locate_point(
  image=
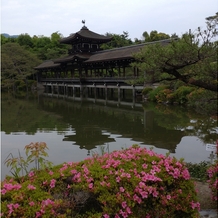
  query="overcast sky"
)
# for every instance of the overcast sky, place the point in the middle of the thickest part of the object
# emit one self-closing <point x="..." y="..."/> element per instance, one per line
<point x="44" y="17"/>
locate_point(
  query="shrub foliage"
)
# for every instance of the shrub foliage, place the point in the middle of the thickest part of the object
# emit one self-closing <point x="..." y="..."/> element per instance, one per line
<point x="213" y="179"/>
<point x="135" y="182"/>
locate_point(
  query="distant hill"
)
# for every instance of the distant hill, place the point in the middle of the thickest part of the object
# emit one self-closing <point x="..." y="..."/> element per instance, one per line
<point x="6" y="35"/>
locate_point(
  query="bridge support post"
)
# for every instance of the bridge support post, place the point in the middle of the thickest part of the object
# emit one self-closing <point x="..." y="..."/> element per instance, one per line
<point x="81" y="91"/>
<point x="133" y="95"/>
<point x="123" y="94"/>
<point x="66" y="89"/>
<point x="73" y="91"/>
<point x="95" y="91"/>
<point x="52" y="89"/>
<point x="105" y="92"/>
<point x="118" y="92"/>
<point x="58" y="89"/>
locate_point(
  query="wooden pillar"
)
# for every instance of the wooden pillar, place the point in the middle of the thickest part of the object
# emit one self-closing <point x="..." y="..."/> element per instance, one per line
<point x="74" y="94"/>
<point x="119" y="71"/>
<point x="134" y="70"/>
<point x="95" y="91"/>
<point x="137" y="72"/>
<point x="52" y="89"/>
<point x="123" y="93"/>
<point x="72" y="72"/>
<point x="118" y="93"/>
<point x="81" y="90"/>
<point x="112" y="92"/>
<point x="66" y="87"/>
<point x="80" y="72"/>
<point x="124" y="72"/>
<point x="133" y="94"/>
<point x="105" y="91"/>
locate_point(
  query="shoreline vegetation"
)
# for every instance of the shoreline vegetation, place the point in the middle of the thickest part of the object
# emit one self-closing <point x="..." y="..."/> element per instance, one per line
<point x="126" y="183"/>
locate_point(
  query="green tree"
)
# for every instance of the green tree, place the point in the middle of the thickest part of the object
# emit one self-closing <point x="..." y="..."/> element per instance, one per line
<point x="25" y="40"/>
<point x="17" y="65"/>
<point x="3" y="39"/>
<point x="117" y="40"/>
<point x="55" y="38"/>
<point x="191" y="59"/>
<point x="154" y="36"/>
<point x="49" y="47"/>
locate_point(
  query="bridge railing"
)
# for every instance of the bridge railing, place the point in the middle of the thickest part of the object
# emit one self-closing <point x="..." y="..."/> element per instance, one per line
<point x="88" y="78"/>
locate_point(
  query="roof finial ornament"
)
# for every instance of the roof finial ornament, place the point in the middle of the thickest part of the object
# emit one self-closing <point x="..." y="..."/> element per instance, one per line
<point x="84" y="27"/>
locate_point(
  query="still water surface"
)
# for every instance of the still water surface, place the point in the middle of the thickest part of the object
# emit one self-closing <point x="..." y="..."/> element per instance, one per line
<point x="75" y="128"/>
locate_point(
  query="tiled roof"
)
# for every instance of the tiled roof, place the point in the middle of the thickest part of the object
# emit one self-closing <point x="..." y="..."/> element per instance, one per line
<point x="87" y="34"/>
<point x="47" y="64"/>
<point x="101" y="56"/>
<point x="72" y="57"/>
<point x="121" y="53"/>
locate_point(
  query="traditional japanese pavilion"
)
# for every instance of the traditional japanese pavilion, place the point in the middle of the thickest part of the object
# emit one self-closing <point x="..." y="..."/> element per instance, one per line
<point x="86" y="58"/>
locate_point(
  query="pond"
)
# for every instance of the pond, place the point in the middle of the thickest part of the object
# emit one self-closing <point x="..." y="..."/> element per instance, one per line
<point x="75" y="129"/>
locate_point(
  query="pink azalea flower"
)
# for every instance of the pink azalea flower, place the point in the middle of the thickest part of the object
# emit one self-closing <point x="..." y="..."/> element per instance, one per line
<point x="168" y="197"/>
<point x="3" y="191"/>
<point x="195" y="205"/>
<point x="31" y="187"/>
<point x="124" y="205"/>
<point x="16" y="205"/>
<point x="128" y="210"/>
<point x="73" y="171"/>
<point x="122" y="189"/>
<point x="118" y="179"/>
<point x="185" y="174"/>
<point x="155" y="193"/>
<point x="52" y="183"/>
<point x="31" y="174"/>
<point x="31" y="203"/>
<point x="144" y="194"/>
<point x="42" y="211"/>
<point x="90" y="185"/>
<point x="144" y="166"/>
<point x="17" y="186"/>
<point x="38" y="214"/>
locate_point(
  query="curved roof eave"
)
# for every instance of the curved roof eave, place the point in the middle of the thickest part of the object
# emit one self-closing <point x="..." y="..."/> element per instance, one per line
<point x="125" y="52"/>
<point x="72" y="57"/>
<point x="87" y="34"/>
<point x="46" y="65"/>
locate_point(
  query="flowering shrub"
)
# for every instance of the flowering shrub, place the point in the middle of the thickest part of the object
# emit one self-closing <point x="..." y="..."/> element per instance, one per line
<point x="165" y="95"/>
<point x="135" y="182"/>
<point x="182" y="92"/>
<point x="152" y="95"/>
<point x="213" y="180"/>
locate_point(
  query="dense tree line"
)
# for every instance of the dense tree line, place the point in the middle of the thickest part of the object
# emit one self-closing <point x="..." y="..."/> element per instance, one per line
<point x="43" y="47"/>
<point x="20" y="55"/>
